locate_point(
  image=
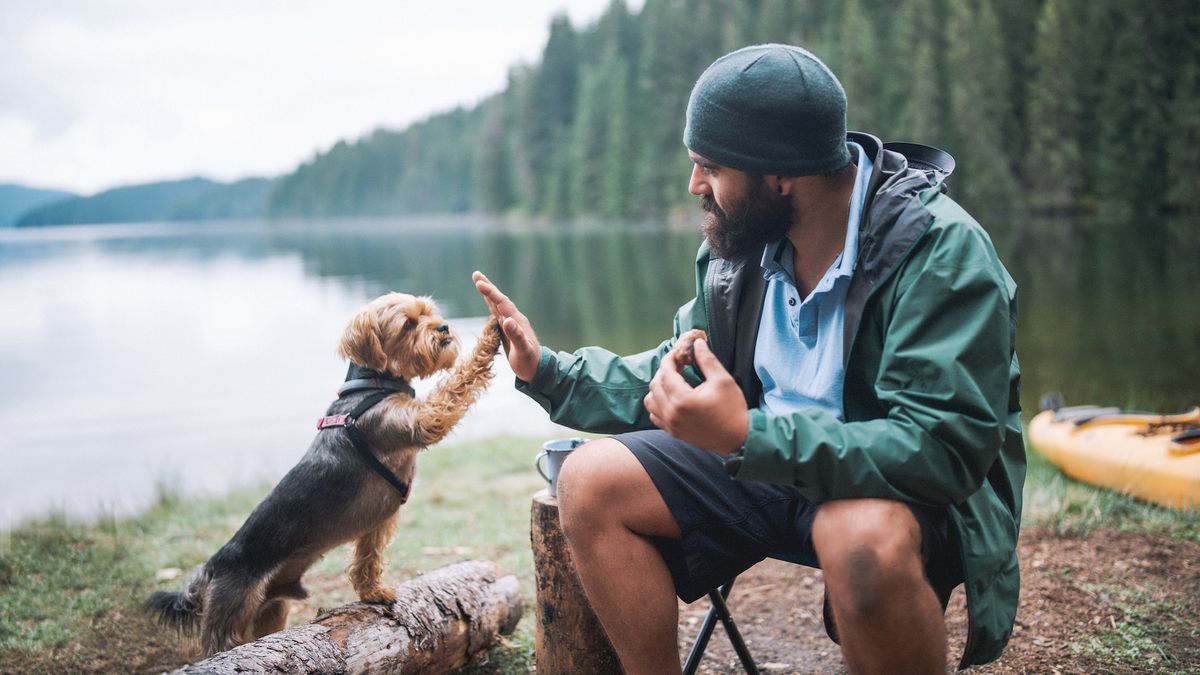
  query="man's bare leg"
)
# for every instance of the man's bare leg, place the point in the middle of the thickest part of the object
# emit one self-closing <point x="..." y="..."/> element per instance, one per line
<point x="888" y="617"/>
<point x="609" y="507"/>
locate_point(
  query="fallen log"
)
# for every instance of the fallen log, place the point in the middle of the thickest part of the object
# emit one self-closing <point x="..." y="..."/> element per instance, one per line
<point x="440" y="622"/>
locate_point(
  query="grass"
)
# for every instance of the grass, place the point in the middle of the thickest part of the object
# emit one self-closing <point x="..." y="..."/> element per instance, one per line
<point x="70" y="592"/>
<point x="1146" y="635"/>
<point x="1071" y="507"/>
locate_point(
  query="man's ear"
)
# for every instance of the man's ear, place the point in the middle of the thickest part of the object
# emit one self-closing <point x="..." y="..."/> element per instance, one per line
<point x="780" y="185"/>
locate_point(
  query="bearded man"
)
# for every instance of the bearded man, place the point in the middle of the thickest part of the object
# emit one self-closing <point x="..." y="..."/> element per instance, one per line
<point x="856" y="404"/>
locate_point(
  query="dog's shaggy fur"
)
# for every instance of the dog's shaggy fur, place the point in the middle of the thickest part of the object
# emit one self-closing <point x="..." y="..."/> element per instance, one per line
<point x="331" y="496"/>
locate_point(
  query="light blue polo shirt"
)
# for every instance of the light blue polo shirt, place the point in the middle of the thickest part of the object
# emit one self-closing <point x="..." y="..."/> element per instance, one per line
<point x="798" y="355"/>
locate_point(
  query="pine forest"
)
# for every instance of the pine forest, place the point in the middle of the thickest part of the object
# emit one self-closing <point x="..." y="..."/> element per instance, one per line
<point x="1049" y="106"/>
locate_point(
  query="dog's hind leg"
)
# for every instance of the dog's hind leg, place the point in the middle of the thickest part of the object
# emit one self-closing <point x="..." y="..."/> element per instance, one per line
<point x="271" y="617"/>
<point x="232" y="602"/>
<point x="285" y="586"/>
<point x="366" y="570"/>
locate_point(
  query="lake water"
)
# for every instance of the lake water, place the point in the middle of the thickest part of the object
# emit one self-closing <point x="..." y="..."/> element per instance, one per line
<point x="199" y="356"/>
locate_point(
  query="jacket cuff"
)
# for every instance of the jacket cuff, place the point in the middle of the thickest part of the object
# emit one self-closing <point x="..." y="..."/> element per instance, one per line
<point x="543" y="377"/>
<point x="761" y="460"/>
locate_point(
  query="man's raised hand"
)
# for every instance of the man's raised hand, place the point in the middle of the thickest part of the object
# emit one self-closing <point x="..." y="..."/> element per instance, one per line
<point x="520" y="343"/>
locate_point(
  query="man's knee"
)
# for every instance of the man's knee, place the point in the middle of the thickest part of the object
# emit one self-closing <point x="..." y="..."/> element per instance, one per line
<point x="602" y="484"/>
<point x="588" y="480"/>
<point x="870" y="549"/>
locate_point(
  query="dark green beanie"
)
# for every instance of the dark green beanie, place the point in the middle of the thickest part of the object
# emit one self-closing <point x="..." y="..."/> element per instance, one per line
<point x="773" y="109"/>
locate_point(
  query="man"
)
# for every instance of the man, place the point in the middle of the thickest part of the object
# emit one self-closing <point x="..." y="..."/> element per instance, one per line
<point x="857" y="402"/>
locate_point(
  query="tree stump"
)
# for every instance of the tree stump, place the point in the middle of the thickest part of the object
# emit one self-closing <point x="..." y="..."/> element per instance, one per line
<point x="569" y="636"/>
<point x="440" y="622"/>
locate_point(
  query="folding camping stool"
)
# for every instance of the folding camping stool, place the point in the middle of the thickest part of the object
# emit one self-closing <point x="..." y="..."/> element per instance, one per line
<point x="719" y="611"/>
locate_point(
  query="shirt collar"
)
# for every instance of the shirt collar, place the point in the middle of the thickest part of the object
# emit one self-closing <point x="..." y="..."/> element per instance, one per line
<point x="777" y="256"/>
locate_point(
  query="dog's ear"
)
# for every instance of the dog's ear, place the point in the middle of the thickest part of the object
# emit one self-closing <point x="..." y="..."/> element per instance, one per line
<point x="360" y="342"/>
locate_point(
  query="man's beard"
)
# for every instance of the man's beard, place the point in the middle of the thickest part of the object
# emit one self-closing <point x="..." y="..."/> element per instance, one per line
<point x="750" y="224"/>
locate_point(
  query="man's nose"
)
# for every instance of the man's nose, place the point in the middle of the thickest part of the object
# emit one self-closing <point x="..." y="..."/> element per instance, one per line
<point x="697" y="184"/>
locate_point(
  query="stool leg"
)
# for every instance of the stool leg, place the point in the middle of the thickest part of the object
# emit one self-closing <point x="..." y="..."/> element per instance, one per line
<point x="719" y="610"/>
<point x="706" y="629"/>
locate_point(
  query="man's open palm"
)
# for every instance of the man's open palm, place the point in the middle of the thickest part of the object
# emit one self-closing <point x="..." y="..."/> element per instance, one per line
<point x="520" y="343"/>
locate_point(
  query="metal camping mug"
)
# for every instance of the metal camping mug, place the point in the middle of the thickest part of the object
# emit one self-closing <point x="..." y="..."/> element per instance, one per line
<point x="555" y="452"/>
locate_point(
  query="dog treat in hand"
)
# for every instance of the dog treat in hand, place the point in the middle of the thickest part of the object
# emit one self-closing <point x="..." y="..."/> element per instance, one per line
<point x="684" y="352"/>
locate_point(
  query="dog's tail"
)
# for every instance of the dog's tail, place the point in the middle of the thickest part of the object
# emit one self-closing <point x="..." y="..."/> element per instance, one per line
<point x="180" y="610"/>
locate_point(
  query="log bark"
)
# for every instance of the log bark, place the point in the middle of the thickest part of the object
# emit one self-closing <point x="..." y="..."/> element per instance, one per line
<point x="440" y="622"/>
<point x="569" y="637"/>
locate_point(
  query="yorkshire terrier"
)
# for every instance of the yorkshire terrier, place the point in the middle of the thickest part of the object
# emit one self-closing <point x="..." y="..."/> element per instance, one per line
<point x="350" y="484"/>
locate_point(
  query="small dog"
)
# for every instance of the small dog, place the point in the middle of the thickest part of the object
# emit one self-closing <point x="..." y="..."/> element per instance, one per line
<point x="336" y="493"/>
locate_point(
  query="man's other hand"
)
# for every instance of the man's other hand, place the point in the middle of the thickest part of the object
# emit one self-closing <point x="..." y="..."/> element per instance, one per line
<point x="712" y="415"/>
<point x="520" y="343"/>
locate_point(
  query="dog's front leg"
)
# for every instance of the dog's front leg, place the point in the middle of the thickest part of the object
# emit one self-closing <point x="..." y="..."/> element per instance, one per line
<point x="441" y="410"/>
<point x="366" y="570"/>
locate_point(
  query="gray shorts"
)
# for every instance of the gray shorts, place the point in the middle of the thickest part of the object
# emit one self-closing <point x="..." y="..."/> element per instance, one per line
<point x="729" y="525"/>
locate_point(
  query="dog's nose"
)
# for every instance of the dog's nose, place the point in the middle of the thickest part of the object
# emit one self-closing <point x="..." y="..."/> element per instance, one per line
<point x="444" y="328"/>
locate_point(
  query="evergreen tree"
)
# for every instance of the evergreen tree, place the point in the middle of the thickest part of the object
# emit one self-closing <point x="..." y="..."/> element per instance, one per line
<point x="1183" y="151"/>
<point x="980" y="107"/>
<point x="919" y="117"/>
<point x="778" y="22"/>
<point x="548" y="108"/>
<point x="616" y="186"/>
<point x="619" y="49"/>
<point x="1183" y="148"/>
<point x="857" y="69"/>
<point x="739" y="23"/>
<point x="1054" y="163"/>
<point x="586" y="146"/>
<point x="494" y="177"/>
<point x="1132" y="112"/>
<point x="665" y="73"/>
<point x="885" y="56"/>
<point x="1018" y="28"/>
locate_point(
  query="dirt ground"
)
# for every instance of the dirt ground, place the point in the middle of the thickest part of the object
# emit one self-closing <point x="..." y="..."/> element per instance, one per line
<point x="1134" y="598"/>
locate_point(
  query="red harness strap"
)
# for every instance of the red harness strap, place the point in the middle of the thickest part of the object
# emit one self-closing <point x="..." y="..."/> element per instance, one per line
<point x="332" y="421"/>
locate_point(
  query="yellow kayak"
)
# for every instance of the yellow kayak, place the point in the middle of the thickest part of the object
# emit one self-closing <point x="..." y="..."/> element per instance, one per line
<point x="1151" y="457"/>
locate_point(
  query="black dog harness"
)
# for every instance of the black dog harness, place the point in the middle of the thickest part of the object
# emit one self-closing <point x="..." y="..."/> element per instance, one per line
<point x="358" y="379"/>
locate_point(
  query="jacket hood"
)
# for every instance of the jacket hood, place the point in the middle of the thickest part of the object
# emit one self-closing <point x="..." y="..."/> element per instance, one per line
<point x="894" y="215"/>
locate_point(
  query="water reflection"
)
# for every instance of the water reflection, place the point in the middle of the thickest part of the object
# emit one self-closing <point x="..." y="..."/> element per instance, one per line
<point x="1110" y="313"/>
<point x="589" y="284"/>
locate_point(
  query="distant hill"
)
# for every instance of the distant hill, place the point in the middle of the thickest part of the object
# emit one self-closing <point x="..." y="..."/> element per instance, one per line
<point x="188" y="199"/>
<point x="243" y="199"/>
<point x="426" y="168"/>
<point x="17" y="199"/>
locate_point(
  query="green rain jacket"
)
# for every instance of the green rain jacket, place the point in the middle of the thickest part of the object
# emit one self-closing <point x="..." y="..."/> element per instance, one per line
<point x="932" y="412"/>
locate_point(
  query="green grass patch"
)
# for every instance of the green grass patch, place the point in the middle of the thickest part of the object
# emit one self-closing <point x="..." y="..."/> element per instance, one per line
<point x="1151" y="632"/>
<point x="1072" y="507"/>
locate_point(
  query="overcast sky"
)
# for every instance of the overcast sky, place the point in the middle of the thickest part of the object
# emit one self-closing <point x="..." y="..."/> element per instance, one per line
<point x="98" y="93"/>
